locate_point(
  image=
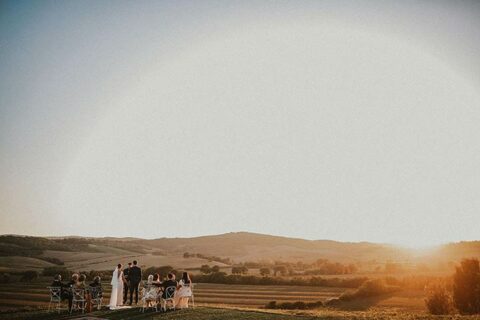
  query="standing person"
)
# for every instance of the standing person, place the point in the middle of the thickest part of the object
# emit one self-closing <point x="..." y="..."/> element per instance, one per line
<point x="126" y="284"/>
<point x="135" y="276"/>
<point x="117" y="288"/>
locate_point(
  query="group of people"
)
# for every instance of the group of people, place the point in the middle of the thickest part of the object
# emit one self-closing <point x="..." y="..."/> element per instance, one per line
<point x="77" y="282"/>
<point x="128" y="280"/>
<point x="179" y="292"/>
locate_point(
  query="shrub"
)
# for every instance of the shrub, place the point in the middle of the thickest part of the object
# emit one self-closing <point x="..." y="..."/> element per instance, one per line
<point x="466" y="287"/>
<point x="4" y="278"/>
<point x="298" y="305"/>
<point x="29" y="275"/>
<point x="438" y="301"/>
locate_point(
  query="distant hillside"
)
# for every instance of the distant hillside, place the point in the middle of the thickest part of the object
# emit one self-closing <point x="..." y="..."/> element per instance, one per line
<point x="103" y="253"/>
<point x="244" y="246"/>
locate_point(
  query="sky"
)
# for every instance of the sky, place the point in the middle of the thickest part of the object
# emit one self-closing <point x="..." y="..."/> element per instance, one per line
<point x="343" y="120"/>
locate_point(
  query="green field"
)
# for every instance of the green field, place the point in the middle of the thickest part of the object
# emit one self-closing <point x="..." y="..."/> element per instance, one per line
<point x="220" y="301"/>
<point x="17" y="295"/>
<point x="216" y="313"/>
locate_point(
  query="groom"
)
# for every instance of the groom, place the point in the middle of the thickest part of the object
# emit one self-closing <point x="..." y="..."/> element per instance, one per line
<point x="134" y="277"/>
<point x="126" y="282"/>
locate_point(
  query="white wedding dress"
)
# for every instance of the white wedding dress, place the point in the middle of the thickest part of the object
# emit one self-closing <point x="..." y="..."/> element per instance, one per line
<point x="116" y="297"/>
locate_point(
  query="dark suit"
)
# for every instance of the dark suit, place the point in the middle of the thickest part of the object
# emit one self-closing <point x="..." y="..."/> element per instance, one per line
<point x="134" y="276"/>
<point x="166" y="284"/>
<point x="126" y="285"/>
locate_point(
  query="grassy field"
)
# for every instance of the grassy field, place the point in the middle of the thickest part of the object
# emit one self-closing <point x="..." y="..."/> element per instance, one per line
<point x="219" y="301"/>
<point x="35" y="294"/>
<point x="216" y="313"/>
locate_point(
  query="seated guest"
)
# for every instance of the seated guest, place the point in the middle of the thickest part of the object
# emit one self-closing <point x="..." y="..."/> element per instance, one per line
<point x="73" y="280"/>
<point x="96" y="282"/>
<point x="184" y="291"/>
<point x="57" y="282"/>
<point x="149" y="292"/>
<point x="170" y="282"/>
<point x="80" y="284"/>
<point x="65" y="292"/>
<point x="95" y="292"/>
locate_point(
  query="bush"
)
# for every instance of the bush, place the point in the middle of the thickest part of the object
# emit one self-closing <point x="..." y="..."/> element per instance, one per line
<point x="438" y="301"/>
<point x="5" y="278"/>
<point x="298" y="305"/>
<point x="29" y="275"/>
<point x="466" y="287"/>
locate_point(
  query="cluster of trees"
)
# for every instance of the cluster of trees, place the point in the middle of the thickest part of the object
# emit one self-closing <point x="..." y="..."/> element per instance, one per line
<point x="222" y="277"/>
<point x="464" y="294"/>
<point x="324" y="267"/>
<point x="319" y="267"/>
<point x="209" y="258"/>
<point x="206" y="269"/>
<point x="35" y="246"/>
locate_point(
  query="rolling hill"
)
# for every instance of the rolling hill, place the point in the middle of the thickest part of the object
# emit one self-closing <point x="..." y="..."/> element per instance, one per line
<point x="23" y="252"/>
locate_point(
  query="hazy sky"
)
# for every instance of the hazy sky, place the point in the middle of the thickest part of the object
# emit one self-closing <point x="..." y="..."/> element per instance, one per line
<point x="342" y="120"/>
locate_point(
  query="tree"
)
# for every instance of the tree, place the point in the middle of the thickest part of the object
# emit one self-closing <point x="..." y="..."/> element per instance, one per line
<point x="264" y="271"/>
<point x="205" y="269"/>
<point x="236" y="270"/>
<point x="466" y="287"/>
<point x="215" y="269"/>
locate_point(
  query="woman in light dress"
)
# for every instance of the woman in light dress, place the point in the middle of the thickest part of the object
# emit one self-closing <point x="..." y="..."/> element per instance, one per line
<point x="116" y="297"/>
<point x="184" y="291"/>
<point x="150" y="292"/>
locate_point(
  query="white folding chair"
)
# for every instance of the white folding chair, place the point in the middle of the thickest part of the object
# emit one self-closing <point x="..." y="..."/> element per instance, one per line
<point x="189" y="285"/>
<point x="55" y="298"/>
<point x="169" y="297"/>
<point x="149" y="297"/>
<point x="96" y="297"/>
<point x="78" y="299"/>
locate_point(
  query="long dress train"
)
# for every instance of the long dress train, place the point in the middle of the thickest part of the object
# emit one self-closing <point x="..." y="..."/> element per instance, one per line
<point x="116" y="297"/>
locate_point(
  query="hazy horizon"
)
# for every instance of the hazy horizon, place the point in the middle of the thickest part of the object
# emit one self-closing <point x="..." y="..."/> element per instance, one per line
<point x="309" y="119"/>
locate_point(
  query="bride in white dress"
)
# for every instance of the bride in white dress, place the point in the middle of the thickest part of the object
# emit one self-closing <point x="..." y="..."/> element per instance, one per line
<point x="116" y="297"/>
